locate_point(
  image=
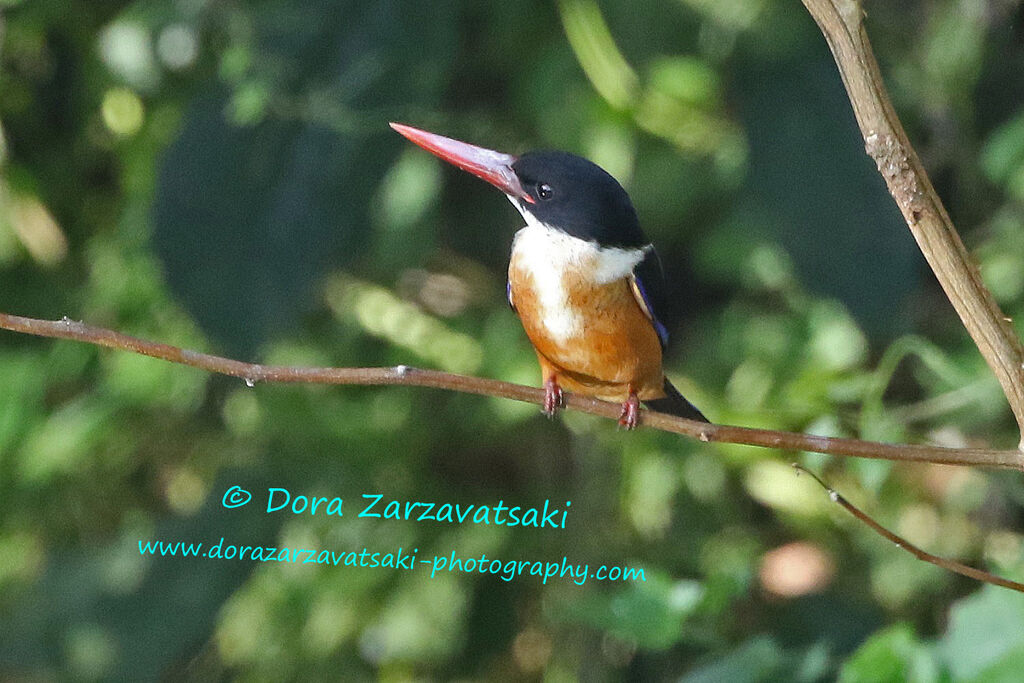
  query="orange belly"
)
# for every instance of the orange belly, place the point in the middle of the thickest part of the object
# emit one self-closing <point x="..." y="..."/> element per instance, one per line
<point x="593" y="338"/>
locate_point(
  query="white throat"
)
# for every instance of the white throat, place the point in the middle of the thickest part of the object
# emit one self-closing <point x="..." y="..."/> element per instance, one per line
<point x="546" y="245"/>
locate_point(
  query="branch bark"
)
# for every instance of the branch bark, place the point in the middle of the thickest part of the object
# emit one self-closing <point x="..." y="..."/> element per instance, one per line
<point x="404" y="375"/>
<point x="841" y="21"/>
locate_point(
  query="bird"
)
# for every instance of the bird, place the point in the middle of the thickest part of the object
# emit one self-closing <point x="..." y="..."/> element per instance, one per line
<point x="585" y="282"/>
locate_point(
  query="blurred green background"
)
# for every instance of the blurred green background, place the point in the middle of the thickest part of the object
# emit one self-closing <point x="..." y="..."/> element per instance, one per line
<point x="221" y="176"/>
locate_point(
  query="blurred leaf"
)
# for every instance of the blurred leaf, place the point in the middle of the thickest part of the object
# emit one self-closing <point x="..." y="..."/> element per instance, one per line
<point x="648" y="613"/>
<point x="686" y="79"/>
<point x="986" y="630"/>
<point x="1004" y="150"/>
<point x="64" y="441"/>
<point x="888" y="655"/>
<point x="759" y="659"/>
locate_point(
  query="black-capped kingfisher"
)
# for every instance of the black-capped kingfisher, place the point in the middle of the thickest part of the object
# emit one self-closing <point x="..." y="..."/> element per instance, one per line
<point x="585" y="282"/>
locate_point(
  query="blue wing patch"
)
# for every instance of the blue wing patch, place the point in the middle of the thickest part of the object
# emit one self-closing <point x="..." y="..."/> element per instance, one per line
<point x="648" y="289"/>
<point x="508" y="294"/>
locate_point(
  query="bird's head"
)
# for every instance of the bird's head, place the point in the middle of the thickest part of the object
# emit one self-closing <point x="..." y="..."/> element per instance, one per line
<point x="557" y="189"/>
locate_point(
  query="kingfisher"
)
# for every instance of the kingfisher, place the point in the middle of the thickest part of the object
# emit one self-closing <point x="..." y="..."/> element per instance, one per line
<point x="586" y="284"/>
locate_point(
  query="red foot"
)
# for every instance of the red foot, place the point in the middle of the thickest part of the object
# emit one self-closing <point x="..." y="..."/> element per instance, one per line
<point x="553" y="399"/>
<point x="630" y="415"/>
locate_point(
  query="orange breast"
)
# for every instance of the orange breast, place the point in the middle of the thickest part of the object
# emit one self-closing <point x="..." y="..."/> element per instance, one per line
<point x="592" y="336"/>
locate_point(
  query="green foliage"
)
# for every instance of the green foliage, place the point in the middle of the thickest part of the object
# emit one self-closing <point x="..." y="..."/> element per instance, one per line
<point x="985" y="636"/>
<point x="221" y="177"/>
<point x="982" y="643"/>
<point x="888" y="655"/>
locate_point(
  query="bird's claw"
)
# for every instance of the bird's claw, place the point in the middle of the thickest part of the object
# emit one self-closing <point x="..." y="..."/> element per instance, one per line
<point x="629" y="418"/>
<point x="553" y="397"/>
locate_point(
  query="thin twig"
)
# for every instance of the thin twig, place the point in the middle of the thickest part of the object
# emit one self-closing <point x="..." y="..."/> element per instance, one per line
<point x="949" y="565"/>
<point x="841" y="21"/>
<point x="408" y="376"/>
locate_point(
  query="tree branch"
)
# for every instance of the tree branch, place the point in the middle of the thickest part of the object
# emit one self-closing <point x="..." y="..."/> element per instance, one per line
<point x="886" y="142"/>
<point x="944" y="563"/>
<point x="408" y="376"/>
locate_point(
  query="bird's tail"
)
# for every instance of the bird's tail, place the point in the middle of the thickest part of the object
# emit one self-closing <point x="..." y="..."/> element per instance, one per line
<point x="675" y="404"/>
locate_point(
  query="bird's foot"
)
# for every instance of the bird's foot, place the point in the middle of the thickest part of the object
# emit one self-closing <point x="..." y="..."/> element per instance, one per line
<point x="553" y="398"/>
<point x="629" y="418"/>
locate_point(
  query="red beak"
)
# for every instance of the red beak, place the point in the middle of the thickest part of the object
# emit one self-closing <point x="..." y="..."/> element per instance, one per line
<point x="494" y="167"/>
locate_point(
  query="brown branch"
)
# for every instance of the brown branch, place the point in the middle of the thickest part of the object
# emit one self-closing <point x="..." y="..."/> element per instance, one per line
<point x="886" y="142"/>
<point x="949" y="565"/>
<point x="407" y="376"/>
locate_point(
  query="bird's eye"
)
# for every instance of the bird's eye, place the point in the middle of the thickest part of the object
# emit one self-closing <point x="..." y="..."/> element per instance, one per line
<point x="544" y="191"/>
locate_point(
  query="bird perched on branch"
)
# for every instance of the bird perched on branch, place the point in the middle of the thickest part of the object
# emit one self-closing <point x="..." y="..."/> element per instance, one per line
<point x="585" y="282"/>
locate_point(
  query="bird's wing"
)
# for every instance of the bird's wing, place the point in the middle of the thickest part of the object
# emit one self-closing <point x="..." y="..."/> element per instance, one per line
<point x="508" y="294"/>
<point x="648" y="284"/>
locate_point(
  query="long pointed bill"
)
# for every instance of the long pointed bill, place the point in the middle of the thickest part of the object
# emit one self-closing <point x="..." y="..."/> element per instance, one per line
<point x="494" y="167"/>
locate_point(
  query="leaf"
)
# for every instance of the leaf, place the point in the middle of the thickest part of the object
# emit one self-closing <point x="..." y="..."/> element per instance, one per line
<point x="649" y="613"/>
<point x="985" y="630"/>
<point x="756" y="660"/>
<point x="888" y="655"/>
